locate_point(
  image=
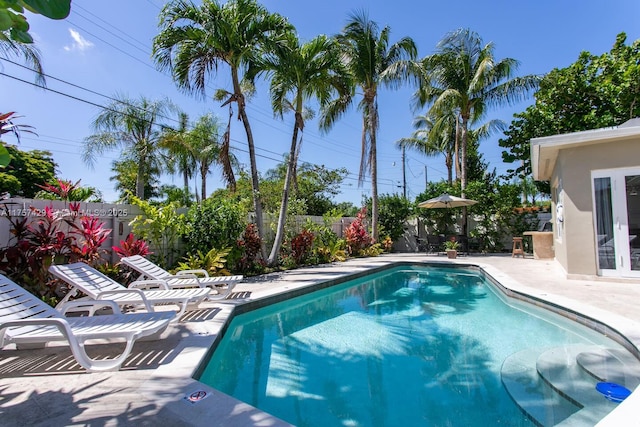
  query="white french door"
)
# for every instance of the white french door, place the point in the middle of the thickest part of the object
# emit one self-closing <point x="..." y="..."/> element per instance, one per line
<point x="616" y="211"/>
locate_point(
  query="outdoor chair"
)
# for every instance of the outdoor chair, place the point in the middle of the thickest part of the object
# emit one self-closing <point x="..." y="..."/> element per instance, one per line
<point x="95" y="285"/>
<point x="27" y="320"/>
<point x="220" y="285"/>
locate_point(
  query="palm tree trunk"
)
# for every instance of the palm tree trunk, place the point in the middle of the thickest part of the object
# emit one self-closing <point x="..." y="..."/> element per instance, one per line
<point x="374" y="188"/>
<point x="203" y="182"/>
<point x="140" y="180"/>
<point x="257" y="205"/>
<point x="463" y="167"/>
<point x="282" y="217"/>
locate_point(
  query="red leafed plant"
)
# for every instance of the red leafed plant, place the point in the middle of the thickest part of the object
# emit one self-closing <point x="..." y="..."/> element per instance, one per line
<point x="249" y="246"/>
<point x="301" y="246"/>
<point x="93" y="234"/>
<point x="132" y="246"/>
<point x="356" y="234"/>
<point x="54" y="237"/>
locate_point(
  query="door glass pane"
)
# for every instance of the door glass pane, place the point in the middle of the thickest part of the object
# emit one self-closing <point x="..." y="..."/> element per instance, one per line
<point x="632" y="185"/>
<point x="604" y="224"/>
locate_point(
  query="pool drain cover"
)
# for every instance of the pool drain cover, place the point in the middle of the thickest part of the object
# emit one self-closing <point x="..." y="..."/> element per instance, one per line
<point x="612" y="391"/>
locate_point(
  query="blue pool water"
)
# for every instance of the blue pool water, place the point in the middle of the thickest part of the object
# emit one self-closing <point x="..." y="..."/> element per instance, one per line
<point x="409" y="346"/>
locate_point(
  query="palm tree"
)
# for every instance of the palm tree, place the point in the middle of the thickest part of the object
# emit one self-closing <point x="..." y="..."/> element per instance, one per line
<point x="27" y="51"/>
<point x="180" y="154"/>
<point x="195" y="40"/>
<point x="299" y="73"/>
<point x="132" y="125"/>
<point x="372" y="62"/>
<point x="204" y="140"/>
<point x="464" y="76"/>
<point x="434" y="136"/>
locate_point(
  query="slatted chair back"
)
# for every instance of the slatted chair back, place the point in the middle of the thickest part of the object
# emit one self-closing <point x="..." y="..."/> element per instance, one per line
<point x="17" y="303"/>
<point x="93" y="281"/>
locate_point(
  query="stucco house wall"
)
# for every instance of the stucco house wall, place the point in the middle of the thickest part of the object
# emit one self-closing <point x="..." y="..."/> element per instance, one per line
<point x="567" y="162"/>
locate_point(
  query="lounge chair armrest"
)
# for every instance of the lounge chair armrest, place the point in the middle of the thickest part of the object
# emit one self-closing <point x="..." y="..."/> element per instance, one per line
<point x="149" y="284"/>
<point x="138" y="292"/>
<point x="195" y="272"/>
<point x="87" y="305"/>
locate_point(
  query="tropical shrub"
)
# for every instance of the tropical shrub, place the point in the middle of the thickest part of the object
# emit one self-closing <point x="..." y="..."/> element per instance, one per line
<point x="54" y="237"/>
<point x="214" y="262"/>
<point x="132" y="246"/>
<point x="357" y="237"/>
<point x="249" y="245"/>
<point x="215" y="223"/>
<point x="393" y="213"/>
<point x="66" y="190"/>
<point x="161" y="226"/>
<point x="301" y="246"/>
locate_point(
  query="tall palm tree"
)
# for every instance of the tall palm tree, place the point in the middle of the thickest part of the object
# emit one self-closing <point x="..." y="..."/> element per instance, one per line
<point x="300" y="72"/>
<point x="372" y="62"/>
<point x="195" y="40"/>
<point x="134" y="126"/>
<point x="180" y="153"/>
<point x="464" y="76"/>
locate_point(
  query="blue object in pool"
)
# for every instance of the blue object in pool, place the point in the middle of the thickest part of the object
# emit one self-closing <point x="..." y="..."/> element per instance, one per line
<point x="612" y="391"/>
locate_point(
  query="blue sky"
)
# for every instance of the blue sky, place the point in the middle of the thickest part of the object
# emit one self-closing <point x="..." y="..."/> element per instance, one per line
<point x="104" y="48"/>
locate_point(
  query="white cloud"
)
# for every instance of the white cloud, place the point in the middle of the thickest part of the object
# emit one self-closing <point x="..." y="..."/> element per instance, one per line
<point x="79" y="43"/>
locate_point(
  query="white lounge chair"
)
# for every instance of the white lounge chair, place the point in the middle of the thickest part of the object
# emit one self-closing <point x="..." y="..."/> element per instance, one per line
<point x="86" y="279"/>
<point x="25" y="319"/>
<point x="221" y="285"/>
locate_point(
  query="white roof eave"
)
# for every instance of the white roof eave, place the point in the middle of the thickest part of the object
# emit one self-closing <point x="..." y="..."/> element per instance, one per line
<point x="544" y="151"/>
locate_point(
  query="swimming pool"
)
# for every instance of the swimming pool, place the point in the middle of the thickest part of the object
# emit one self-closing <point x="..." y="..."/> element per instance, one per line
<point x="406" y="346"/>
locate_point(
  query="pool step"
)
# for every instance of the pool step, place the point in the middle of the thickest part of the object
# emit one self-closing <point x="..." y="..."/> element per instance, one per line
<point x="559" y="368"/>
<point x="539" y="401"/>
<point x="611" y="365"/>
<point x="557" y="386"/>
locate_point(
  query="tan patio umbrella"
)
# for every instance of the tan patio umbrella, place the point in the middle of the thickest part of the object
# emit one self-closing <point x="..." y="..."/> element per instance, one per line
<point x="446" y="201"/>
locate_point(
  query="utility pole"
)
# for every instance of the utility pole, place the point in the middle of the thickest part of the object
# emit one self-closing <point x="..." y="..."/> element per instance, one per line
<point x="404" y="174"/>
<point x="426" y="180"/>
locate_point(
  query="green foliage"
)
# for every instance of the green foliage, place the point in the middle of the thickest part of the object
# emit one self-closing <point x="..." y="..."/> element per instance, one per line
<point x="65" y="190"/>
<point x="161" y="226"/>
<point x="593" y="92"/>
<point x="215" y="223"/>
<point x="394" y="211"/>
<point x="125" y="175"/>
<point x="438" y="221"/>
<point x="214" y="262"/>
<point x="171" y="193"/>
<point x="13" y="22"/>
<point x="451" y="245"/>
<point x="27" y="170"/>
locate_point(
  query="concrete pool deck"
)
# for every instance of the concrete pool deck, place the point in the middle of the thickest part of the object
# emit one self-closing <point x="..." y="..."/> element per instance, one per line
<point x="46" y="387"/>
